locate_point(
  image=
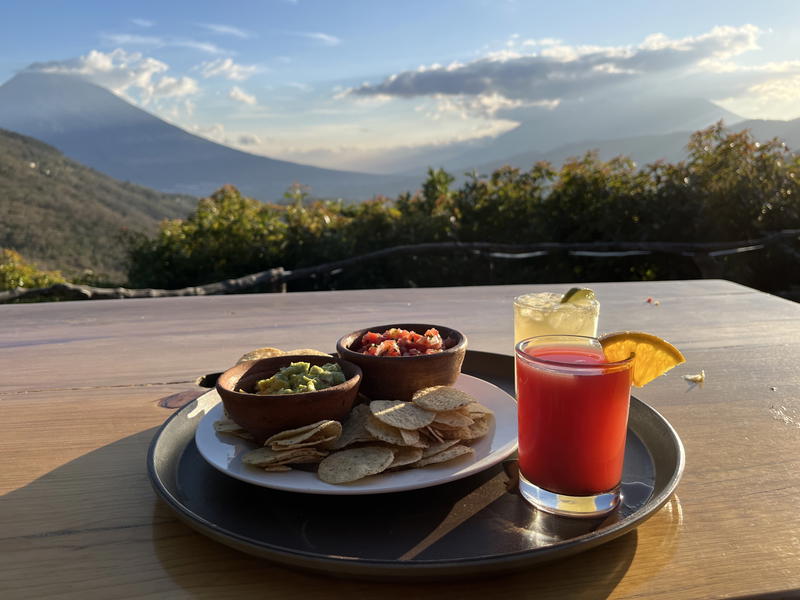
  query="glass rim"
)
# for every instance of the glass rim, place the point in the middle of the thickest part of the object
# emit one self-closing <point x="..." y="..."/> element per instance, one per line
<point x="566" y="365"/>
<point x="519" y="301"/>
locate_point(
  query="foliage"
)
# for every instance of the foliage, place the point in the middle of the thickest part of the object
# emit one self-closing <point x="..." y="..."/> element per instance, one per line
<point x="64" y="215"/>
<point x="16" y="272"/>
<point x="729" y="188"/>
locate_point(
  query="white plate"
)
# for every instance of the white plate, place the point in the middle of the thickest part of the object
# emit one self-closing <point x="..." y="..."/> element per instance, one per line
<point x="224" y="452"/>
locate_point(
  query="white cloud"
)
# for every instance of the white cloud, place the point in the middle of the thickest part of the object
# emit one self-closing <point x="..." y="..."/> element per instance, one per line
<point x="485" y="105"/>
<point x="127" y="39"/>
<point x="240" y="95"/>
<point x="226" y="30"/>
<point x="546" y="71"/>
<point x="142" y="22"/>
<point x="227" y="68"/>
<point x="303" y="87"/>
<point x="248" y="139"/>
<point x="130" y="74"/>
<point x="775" y="98"/>
<point x="324" y="38"/>
<point x="172" y="87"/>
<point x="218" y="133"/>
<point x="207" y="47"/>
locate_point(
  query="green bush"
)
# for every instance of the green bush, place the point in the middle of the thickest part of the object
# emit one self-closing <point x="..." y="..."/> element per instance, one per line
<point x="16" y="272"/>
<point x="729" y="188"/>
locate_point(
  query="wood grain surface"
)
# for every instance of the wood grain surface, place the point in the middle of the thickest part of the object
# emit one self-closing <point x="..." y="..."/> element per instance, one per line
<point x="85" y="385"/>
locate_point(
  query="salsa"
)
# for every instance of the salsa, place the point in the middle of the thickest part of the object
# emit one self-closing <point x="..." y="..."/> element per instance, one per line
<point x="401" y="342"/>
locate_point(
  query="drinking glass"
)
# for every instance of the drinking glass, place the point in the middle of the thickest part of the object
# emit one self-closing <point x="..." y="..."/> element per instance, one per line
<point x="543" y="314"/>
<point x="573" y="420"/>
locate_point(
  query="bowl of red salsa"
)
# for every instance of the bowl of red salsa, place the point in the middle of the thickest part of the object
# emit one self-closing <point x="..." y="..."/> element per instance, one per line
<point x="400" y="358"/>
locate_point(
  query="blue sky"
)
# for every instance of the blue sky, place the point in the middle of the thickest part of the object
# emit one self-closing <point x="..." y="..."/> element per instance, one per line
<point x="345" y="83"/>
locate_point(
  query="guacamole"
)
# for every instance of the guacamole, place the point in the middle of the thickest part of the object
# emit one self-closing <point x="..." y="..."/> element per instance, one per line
<point x="301" y="377"/>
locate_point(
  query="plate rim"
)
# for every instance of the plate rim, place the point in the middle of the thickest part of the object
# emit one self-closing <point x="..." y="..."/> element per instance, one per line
<point x="392" y="569"/>
<point x="506" y="449"/>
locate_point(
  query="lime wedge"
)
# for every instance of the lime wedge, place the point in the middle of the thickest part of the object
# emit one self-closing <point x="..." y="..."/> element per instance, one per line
<point x="578" y="296"/>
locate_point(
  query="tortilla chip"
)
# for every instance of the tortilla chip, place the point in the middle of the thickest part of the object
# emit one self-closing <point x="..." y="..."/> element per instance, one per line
<point x="353" y="464"/>
<point x="266" y="352"/>
<point x="479" y="428"/>
<point x="432" y="433"/>
<point x="452" y="418"/>
<point x="263" y="457"/>
<point x="404" y="415"/>
<point x="308" y="435"/>
<point x="476" y="408"/>
<point x="386" y="433"/>
<point x="228" y="426"/>
<point x="441" y="398"/>
<point x="445" y="455"/>
<point x="301" y="351"/>
<point x="410" y="437"/>
<point x="354" y="429"/>
<point x="439" y="447"/>
<point x="404" y="456"/>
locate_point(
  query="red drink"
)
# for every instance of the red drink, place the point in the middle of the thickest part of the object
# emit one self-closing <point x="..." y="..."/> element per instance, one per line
<point x="573" y="415"/>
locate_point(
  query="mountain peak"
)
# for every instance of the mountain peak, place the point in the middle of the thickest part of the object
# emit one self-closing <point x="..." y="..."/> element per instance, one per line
<point x="90" y="124"/>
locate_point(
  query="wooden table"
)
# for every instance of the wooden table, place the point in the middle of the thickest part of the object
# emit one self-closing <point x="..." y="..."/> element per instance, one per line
<point x="85" y="384"/>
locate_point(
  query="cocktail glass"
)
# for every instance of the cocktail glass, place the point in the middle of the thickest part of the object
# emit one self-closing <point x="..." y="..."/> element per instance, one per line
<point x="572" y="421"/>
<point x="544" y="313"/>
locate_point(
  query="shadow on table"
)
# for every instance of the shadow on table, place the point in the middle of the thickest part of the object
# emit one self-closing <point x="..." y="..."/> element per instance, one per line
<point x="201" y="567"/>
<point x="96" y="520"/>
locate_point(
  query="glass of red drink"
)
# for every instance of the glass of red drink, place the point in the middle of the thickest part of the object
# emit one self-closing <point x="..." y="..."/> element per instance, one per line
<point x="573" y="420"/>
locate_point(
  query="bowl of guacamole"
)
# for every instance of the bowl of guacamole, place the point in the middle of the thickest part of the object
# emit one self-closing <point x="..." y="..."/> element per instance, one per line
<point x="269" y="395"/>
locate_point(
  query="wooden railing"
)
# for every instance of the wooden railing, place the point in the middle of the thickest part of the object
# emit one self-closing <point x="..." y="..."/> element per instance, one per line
<point x="704" y="254"/>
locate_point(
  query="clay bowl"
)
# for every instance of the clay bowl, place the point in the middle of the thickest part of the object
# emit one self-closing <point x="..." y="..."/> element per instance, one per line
<point x="398" y="377"/>
<point x="264" y="415"/>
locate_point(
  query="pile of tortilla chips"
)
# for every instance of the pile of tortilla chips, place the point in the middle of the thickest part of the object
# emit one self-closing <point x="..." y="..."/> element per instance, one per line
<point x="269" y="352"/>
<point x="383" y="435"/>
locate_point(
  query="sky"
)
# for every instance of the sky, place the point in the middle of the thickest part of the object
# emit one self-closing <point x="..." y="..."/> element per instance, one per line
<point x="351" y="83"/>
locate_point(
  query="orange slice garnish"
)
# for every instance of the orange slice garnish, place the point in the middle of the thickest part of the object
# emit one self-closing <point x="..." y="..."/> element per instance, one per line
<point x="652" y="355"/>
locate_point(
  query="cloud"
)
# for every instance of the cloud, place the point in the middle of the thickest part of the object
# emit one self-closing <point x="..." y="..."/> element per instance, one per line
<point x="547" y="71"/>
<point x="248" y="139"/>
<point x="172" y="87"/>
<point x="227" y="68"/>
<point x="226" y="30"/>
<point x="303" y="87"/>
<point x="217" y="133"/>
<point x="775" y="98"/>
<point x="323" y="38"/>
<point x="142" y="22"/>
<point x="127" y="39"/>
<point x="240" y="95"/>
<point x="125" y="73"/>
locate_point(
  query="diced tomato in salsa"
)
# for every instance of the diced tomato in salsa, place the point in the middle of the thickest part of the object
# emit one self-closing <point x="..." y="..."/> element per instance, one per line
<point x="401" y="342"/>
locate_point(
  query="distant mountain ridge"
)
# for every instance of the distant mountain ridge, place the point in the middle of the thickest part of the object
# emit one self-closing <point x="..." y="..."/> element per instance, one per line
<point x="63" y="215"/>
<point x="647" y="149"/>
<point x="94" y="126"/>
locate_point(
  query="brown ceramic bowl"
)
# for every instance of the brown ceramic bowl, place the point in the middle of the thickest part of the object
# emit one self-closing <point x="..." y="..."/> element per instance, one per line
<point x="398" y="377"/>
<point x="264" y="415"/>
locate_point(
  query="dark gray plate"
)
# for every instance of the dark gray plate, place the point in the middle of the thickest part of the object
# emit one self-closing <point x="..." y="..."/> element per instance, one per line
<point x="473" y="526"/>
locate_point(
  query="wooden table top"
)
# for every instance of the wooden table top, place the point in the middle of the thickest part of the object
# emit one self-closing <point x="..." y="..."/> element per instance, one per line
<point x="83" y="392"/>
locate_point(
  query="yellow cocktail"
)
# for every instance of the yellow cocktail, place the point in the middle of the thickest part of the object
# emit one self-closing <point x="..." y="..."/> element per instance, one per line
<point x="547" y="313"/>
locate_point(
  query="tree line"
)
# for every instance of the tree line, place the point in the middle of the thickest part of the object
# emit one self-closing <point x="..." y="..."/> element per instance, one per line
<point x="729" y="187"/>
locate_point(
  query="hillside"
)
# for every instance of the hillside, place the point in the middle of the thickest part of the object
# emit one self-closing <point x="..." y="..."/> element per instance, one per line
<point x="63" y="215"/>
<point x="90" y="124"/>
